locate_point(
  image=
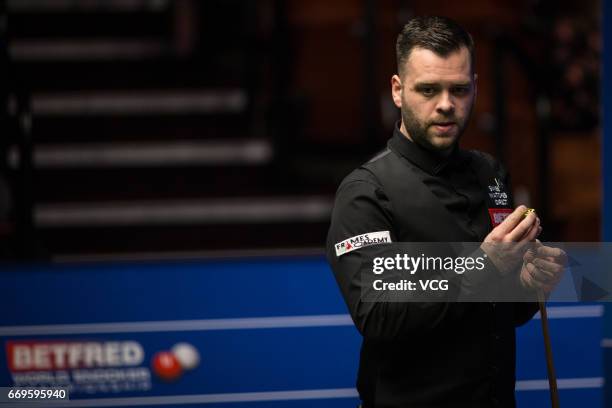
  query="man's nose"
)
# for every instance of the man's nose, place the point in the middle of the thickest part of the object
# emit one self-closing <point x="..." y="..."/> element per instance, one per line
<point x="446" y="104"/>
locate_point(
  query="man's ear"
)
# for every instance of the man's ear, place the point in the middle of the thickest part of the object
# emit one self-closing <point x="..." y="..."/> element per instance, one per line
<point x="475" y="85"/>
<point x="396" y="90"/>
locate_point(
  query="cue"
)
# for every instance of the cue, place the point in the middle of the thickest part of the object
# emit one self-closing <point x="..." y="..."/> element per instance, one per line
<point x="552" y="378"/>
<point x="550" y="366"/>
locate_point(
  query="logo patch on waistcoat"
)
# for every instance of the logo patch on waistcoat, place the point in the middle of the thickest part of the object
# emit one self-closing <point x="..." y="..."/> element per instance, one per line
<point x="361" y="241"/>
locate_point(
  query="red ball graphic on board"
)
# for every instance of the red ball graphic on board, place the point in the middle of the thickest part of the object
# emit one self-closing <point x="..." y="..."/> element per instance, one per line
<point x="166" y="366"/>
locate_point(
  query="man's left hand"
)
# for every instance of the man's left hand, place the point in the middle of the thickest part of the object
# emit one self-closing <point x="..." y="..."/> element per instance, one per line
<point x="543" y="267"/>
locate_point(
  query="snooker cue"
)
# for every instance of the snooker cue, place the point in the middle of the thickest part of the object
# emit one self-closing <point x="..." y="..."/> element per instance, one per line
<point x="550" y="367"/>
<point x="552" y="378"/>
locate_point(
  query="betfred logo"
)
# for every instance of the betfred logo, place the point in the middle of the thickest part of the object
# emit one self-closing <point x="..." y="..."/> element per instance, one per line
<point x="62" y="355"/>
<point x="363" y="240"/>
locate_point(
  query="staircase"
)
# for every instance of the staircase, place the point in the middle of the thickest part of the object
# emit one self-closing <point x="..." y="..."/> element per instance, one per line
<point x="153" y="129"/>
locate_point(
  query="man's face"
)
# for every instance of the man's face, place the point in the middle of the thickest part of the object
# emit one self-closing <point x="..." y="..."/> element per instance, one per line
<point x="435" y="95"/>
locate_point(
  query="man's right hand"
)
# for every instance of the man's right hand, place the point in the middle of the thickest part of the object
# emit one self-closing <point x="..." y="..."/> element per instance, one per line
<point x="506" y="243"/>
<point x="515" y="228"/>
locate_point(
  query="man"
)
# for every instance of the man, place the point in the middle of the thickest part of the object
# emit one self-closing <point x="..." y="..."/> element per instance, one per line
<point x="423" y="188"/>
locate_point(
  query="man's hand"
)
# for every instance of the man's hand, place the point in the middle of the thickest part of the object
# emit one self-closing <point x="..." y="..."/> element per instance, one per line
<point x="515" y="228"/>
<point x="543" y="267"/>
<point x="506" y="244"/>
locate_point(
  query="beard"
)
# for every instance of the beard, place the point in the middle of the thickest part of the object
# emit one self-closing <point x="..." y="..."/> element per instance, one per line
<point x="419" y="131"/>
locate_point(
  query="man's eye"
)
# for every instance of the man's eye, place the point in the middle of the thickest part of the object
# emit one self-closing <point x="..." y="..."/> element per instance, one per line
<point x="428" y="91"/>
<point x="461" y="90"/>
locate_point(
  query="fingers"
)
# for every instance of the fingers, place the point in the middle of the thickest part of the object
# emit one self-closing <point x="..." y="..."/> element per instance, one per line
<point x="528" y="276"/>
<point x="533" y="278"/>
<point x="532" y="233"/>
<point x="517" y="227"/>
<point x="551" y="252"/>
<point x="549" y="267"/>
<point x="512" y="220"/>
<point x="529" y="256"/>
<point x="524" y="230"/>
<point x="541" y="274"/>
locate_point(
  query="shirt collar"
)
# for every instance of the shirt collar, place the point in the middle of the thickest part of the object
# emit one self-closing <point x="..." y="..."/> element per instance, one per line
<point x="429" y="161"/>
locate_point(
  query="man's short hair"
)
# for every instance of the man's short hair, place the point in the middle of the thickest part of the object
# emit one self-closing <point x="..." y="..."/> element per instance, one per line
<point x="440" y="35"/>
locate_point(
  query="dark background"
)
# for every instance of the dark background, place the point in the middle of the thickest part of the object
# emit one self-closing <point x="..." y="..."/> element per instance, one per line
<point x="151" y="127"/>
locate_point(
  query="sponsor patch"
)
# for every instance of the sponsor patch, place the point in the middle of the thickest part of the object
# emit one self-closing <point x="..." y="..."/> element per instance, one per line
<point x="497" y="194"/>
<point x="361" y="241"/>
<point x="498" y="215"/>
